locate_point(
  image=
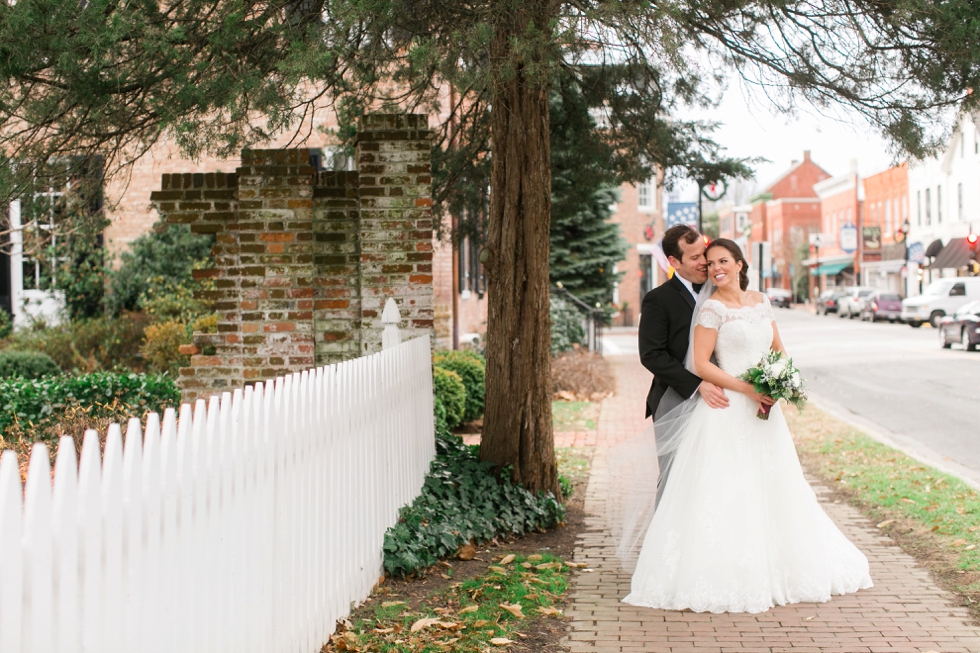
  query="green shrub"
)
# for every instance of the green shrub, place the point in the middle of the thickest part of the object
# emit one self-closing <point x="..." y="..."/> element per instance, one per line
<point x="6" y="325"/>
<point x="472" y="371"/>
<point x="91" y="345"/>
<point x="35" y="404"/>
<point x="161" y="344"/>
<point x="462" y="499"/>
<point x="27" y="365"/>
<point x="157" y="270"/>
<point x="566" y="326"/>
<point x="449" y="389"/>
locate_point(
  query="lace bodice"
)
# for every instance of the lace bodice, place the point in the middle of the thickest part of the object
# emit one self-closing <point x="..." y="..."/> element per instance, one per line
<point x="744" y="334"/>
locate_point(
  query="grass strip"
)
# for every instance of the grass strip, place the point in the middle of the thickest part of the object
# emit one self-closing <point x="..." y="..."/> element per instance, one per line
<point x="574" y="415"/>
<point x="932" y="515"/>
<point x="488" y="611"/>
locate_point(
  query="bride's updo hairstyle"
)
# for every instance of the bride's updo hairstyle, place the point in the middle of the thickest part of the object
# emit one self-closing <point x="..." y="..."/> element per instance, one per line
<point x="736" y="252"/>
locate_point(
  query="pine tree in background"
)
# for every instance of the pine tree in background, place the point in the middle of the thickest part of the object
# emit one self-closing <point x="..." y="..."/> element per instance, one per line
<point x="585" y="246"/>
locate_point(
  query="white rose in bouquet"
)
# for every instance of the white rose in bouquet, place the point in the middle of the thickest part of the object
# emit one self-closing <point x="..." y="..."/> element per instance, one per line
<point x="778" y="367"/>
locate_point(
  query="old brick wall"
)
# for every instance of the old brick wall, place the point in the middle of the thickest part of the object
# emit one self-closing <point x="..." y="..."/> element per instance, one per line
<point x="306" y="259"/>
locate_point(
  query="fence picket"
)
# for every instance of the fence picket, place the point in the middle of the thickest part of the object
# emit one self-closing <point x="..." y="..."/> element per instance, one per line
<point x="65" y="540"/>
<point x="38" y="581"/>
<point x="248" y="524"/>
<point x="11" y="552"/>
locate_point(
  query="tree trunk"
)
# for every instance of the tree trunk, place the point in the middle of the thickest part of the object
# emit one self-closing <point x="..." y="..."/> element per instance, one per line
<point x="517" y="428"/>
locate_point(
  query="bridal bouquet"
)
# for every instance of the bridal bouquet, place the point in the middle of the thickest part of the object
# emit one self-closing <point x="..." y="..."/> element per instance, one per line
<point x="776" y="376"/>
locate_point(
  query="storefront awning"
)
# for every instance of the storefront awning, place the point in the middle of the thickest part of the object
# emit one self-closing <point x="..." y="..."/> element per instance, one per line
<point x="830" y="269"/>
<point x="955" y="254"/>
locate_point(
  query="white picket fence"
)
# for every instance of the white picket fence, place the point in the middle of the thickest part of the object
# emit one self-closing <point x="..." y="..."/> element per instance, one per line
<point x="249" y="524"/>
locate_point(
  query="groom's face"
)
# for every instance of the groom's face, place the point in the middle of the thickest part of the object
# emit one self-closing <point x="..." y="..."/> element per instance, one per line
<point x="693" y="266"/>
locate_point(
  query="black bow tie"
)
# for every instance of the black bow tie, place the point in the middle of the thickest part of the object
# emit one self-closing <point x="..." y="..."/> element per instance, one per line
<point x="697" y="287"/>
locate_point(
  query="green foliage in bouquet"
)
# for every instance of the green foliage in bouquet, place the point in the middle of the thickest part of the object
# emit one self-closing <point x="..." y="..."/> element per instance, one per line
<point x="776" y="376"/>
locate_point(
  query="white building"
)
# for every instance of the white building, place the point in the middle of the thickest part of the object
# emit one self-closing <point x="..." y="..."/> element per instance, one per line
<point x="944" y="199"/>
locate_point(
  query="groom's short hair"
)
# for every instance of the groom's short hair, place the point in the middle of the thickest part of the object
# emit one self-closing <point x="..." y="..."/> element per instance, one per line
<point x="673" y="237"/>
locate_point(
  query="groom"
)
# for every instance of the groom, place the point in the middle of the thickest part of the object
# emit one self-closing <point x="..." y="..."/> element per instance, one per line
<point x="665" y="323"/>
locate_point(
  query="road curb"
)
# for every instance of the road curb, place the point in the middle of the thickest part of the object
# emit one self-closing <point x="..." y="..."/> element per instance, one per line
<point x="907" y="445"/>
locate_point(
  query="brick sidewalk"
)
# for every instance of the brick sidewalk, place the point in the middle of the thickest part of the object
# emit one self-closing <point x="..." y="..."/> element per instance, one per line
<point x="904" y="612"/>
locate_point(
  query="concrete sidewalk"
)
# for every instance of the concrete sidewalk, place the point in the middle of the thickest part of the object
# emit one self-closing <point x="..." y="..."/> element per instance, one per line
<point x="904" y="612"/>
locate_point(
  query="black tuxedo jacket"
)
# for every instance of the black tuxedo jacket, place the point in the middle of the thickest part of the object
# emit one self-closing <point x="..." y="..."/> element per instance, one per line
<point x="665" y="325"/>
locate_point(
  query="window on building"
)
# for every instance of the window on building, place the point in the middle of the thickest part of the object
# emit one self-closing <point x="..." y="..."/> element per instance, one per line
<point x="905" y="208"/>
<point x="939" y="204"/>
<point x="918" y="201"/>
<point x="928" y="206"/>
<point x="887" y="227"/>
<point x="959" y="201"/>
<point x="644" y="194"/>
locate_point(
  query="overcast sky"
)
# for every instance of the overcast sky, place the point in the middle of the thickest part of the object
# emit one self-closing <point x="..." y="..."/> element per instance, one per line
<point x="752" y="128"/>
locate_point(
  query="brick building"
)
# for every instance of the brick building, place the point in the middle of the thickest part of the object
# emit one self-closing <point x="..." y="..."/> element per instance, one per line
<point x="837" y="263"/>
<point x="639" y="214"/>
<point x="886" y="208"/>
<point x="785" y="214"/>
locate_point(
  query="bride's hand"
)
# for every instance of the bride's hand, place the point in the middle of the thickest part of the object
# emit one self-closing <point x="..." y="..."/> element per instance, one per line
<point x="758" y="397"/>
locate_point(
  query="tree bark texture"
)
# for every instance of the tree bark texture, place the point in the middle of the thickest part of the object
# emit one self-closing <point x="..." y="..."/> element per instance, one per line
<point x="517" y="427"/>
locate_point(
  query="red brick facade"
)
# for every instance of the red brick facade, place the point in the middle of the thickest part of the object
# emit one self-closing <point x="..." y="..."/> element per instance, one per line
<point x="305" y="260"/>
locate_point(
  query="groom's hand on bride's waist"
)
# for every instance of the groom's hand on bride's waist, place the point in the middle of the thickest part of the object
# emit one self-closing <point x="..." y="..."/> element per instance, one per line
<point x="713" y="395"/>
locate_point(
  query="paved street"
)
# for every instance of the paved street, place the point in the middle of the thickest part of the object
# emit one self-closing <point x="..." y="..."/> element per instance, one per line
<point x="892" y="379"/>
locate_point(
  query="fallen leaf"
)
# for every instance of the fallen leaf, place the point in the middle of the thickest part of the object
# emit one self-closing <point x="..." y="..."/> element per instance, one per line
<point x="808" y="619"/>
<point x="973" y="528"/>
<point x="577" y="565"/>
<point x="514" y="609"/>
<point x="480" y="623"/>
<point x="507" y="559"/>
<point x="534" y="557"/>
<point x="384" y="631"/>
<point x="425" y="622"/>
<point x="548" y="610"/>
<point x="498" y="570"/>
<point x="885" y="523"/>
<point x="468" y="609"/>
<point x="531" y="597"/>
<point x="446" y="576"/>
<point x="391" y="604"/>
<point x="959" y="542"/>
<point x="547" y="565"/>
<point x="500" y="641"/>
<point x="935" y="528"/>
<point x="526" y="565"/>
<point x="466" y="552"/>
<point x="970" y="548"/>
<point x="907" y="500"/>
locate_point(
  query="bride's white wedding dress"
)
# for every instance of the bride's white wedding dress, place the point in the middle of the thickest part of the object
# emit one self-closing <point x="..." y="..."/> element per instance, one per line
<point x="738" y="528"/>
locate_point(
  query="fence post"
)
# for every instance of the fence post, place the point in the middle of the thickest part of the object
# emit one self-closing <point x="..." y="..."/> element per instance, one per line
<point x="391" y="318"/>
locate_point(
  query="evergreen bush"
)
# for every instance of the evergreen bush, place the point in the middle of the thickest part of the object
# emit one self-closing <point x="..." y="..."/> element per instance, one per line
<point x="566" y="326"/>
<point x="27" y="365"/>
<point x="449" y="390"/>
<point x="472" y="370"/>
<point x="161" y="344"/>
<point x="462" y="499"/>
<point x="6" y="324"/>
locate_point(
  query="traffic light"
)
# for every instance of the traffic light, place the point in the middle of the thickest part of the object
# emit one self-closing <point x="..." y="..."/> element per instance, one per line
<point x="971" y="240"/>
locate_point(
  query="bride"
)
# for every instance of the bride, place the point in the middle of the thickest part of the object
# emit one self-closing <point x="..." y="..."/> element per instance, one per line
<point x="738" y="528"/>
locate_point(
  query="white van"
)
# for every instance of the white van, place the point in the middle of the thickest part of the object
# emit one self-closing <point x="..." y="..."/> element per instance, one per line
<point x="940" y="298"/>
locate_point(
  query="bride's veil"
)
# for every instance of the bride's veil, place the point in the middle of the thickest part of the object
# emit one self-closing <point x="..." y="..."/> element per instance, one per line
<point x="637" y="469"/>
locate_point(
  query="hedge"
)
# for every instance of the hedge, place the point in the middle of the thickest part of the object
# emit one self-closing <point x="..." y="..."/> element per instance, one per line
<point x="27" y="365"/>
<point x="472" y="370"/>
<point x="39" y="402"/>
<point x="449" y="389"/>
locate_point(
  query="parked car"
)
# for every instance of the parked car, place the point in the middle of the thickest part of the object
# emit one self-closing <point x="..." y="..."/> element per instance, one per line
<point x="827" y="301"/>
<point x="882" y="306"/>
<point x="963" y="327"/>
<point x="849" y="305"/>
<point x="779" y="297"/>
<point x="940" y="298"/>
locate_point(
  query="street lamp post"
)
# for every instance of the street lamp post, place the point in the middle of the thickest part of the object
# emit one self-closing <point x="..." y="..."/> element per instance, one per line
<point x="905" y="241"/>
